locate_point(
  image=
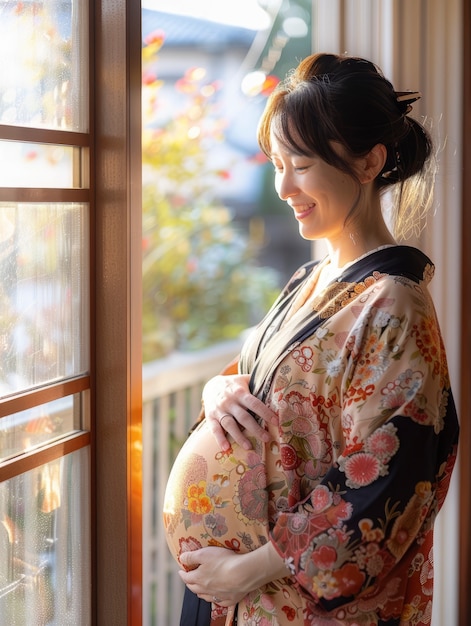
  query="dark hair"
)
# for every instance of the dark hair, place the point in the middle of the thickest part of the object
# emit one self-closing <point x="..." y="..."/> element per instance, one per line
<point x="330" y="98"/>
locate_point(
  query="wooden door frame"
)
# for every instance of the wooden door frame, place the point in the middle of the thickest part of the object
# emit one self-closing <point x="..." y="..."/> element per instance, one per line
<point x="465" y="408"/>
<point x="117" y="381"/>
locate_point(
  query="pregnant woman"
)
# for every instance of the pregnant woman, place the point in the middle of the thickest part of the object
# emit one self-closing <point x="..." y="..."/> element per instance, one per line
<point x="307" y="493"/>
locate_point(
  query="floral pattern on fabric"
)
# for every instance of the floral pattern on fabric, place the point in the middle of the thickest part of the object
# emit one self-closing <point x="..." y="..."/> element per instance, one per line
<point x="205" y="491"/>
<point x="358" y="465"/>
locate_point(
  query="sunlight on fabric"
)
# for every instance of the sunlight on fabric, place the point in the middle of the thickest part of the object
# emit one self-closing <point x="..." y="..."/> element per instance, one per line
<point x="244" y="13"/>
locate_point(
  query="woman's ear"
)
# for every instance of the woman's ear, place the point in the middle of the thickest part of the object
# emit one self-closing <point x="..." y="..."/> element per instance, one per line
<point x="371" y="165"/>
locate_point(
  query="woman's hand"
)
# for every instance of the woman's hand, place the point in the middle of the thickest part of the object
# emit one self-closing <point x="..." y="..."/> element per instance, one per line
<point x="211" y="575"/>
<point x="229" y="408"/>
<point x="225" y="577"/>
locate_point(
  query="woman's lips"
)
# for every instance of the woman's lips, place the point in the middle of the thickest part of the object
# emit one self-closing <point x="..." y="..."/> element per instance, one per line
<point x="302" y="212"/>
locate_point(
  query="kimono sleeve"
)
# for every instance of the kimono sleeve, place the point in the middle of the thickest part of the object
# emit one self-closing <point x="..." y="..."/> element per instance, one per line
<point x="400" y="431"/>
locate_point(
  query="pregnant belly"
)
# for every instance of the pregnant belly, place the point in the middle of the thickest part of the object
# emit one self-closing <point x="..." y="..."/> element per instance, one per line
<point x="216" y="498"/>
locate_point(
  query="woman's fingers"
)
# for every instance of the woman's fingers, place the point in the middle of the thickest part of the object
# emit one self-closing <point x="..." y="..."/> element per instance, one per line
<point x="242" y="424"/>
<point x="239" y="425"/>
<point x="261" y="410"/>
<point x="220" y="434"/>
<point x="232" y="410"/>
<point x="204" y="575"/>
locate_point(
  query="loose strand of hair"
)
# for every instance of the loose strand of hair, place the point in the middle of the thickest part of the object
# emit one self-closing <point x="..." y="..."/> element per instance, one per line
<point x="413" y="199"/>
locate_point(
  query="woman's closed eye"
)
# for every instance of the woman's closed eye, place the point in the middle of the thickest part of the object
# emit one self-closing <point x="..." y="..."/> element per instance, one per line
<point x="277" y="165"/>
<point x="300" y="167"/>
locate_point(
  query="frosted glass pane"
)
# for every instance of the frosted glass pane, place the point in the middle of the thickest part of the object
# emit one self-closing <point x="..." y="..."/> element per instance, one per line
<point x="26" y="430"/>
<point x="45" y="567"/>
<point x="44" y="293"/>
<point x="44" y="74"/>
<point x="36" y="165"/>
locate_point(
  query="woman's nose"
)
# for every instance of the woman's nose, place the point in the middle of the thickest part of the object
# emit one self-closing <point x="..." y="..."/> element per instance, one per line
<point x="286" y="187"/>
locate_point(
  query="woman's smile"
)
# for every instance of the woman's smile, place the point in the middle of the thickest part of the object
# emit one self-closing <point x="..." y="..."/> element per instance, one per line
<point x="302" y="211"/>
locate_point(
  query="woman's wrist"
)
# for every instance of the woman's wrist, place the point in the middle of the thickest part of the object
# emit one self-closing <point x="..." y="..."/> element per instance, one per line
<point x="259" y="567"/>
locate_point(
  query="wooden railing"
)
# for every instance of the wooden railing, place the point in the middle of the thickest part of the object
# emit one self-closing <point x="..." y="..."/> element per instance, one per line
<point x="171" y="403"/>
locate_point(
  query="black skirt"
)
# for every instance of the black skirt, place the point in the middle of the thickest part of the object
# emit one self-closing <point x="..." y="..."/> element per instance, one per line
<point x="195" y="612"/>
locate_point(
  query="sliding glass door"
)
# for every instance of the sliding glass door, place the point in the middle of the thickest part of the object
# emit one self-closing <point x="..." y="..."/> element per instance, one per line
<point x="45" y="361"/>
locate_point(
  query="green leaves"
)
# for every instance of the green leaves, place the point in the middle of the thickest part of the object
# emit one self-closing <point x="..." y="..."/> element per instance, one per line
<point x="201" y="280"/>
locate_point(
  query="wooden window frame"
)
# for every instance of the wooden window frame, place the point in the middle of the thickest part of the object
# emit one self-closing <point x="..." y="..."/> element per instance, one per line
<point x="35" y="458"/>
<point x="49" y="391"/>
<point x="113" y="147"/>
<point x="465" y="408"/>
<point x="116" y="166"/>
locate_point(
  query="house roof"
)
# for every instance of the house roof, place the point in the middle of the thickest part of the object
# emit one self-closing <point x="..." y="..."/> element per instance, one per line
<point x="183" y="31"/>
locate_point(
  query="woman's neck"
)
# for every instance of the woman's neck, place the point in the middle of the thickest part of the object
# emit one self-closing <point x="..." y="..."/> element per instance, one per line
<point x="359" y="236"/>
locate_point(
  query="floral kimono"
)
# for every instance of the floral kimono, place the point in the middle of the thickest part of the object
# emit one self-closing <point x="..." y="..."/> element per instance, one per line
<point x="359" y="464"/>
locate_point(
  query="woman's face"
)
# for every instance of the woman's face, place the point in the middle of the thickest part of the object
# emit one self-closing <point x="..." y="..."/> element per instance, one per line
<point x="320" y="195"/>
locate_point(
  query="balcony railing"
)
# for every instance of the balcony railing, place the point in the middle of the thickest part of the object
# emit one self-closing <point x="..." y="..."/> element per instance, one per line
<point x="172" y="401"/>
